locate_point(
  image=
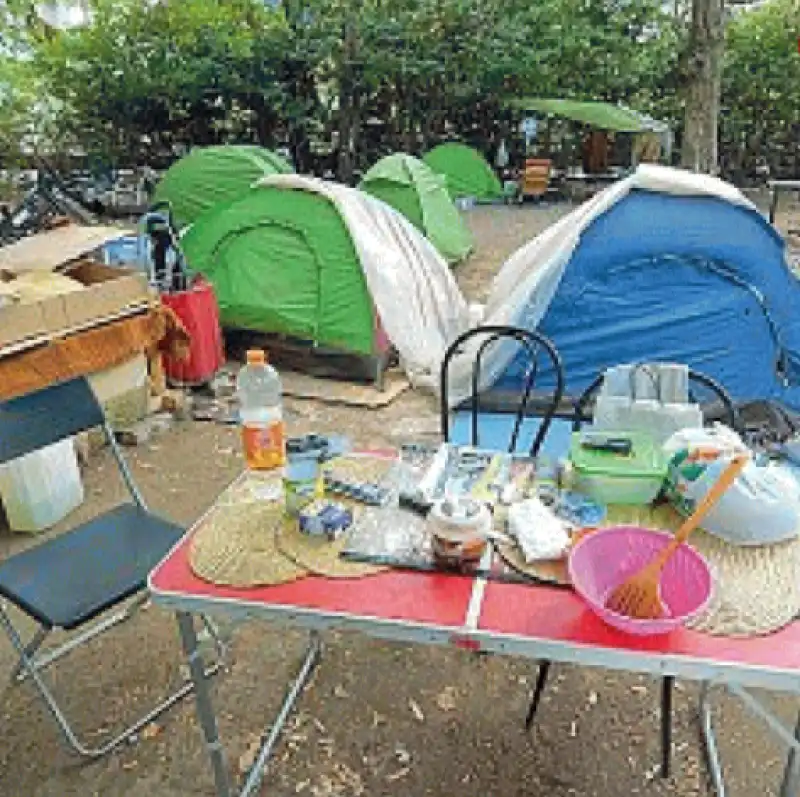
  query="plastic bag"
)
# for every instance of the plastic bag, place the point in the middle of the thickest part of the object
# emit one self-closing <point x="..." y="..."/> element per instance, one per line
<point x="540" y="533"/>
<point x="761" y="507"/>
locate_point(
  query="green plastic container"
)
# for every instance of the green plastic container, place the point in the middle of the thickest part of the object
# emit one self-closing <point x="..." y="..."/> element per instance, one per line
<point x="618" y="478"/>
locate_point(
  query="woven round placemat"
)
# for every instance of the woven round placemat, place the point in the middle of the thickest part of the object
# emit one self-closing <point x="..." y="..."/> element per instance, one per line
<point x="547" y="572"/>
<point x="364" y="468"/>
<point x="254" y="485"/>
<point x="553" y="571"/>
<point x="756" y="589"/>
<point x="321" y="556"/>
<point x="236" y="546"/>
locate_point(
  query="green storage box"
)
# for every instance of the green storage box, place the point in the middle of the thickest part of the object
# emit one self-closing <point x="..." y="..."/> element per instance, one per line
<point x="613" y="477"/>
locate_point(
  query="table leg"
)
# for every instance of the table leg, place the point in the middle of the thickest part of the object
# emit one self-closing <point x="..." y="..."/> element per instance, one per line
<point x="710" y="742"/>
<point x="205" y="710"/>
<point x="790" y="786"/>
<point x="310" y="661"/>
<point x="541" y="680"/>
<point x="667" y="683"/>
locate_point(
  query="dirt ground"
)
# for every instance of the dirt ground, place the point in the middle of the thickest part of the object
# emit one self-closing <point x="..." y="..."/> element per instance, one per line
<point x="378" y="718"/>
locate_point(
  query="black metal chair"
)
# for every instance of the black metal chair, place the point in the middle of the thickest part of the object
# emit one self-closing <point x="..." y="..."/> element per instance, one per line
<point x="534" y="344"/>
<point x="73" y="578"/>
<point x="580" y="414"/>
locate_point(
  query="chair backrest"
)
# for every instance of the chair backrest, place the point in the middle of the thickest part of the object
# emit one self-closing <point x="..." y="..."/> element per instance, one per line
<point x="536" y="176"/>
<point x="55" y="413"/>
<point x="706" y="382"/>
<point x="37" y="420"/>
<point x="534" y="345"/>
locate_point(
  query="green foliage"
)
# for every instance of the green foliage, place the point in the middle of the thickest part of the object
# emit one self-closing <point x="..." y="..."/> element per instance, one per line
<point x="145" y="75"/>
<point x="761" y="89"/>
<point x="343" y="83"/>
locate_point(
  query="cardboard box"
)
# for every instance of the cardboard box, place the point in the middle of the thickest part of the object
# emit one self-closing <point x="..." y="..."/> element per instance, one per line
<point x="46" y="251"/>
<point x="123" y="392"/>
<point x="109" y="293"/>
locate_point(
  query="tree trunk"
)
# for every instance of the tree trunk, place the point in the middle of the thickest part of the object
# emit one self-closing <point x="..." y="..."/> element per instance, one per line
<point x="348" y="104"/>
<point x="700" y="136"/>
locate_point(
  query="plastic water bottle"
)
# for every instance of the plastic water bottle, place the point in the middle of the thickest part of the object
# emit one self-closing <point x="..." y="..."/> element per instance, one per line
<point x="263" y="434"/>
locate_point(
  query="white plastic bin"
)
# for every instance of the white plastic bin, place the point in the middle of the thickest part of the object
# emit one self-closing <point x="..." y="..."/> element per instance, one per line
<point x="41" y="488"/>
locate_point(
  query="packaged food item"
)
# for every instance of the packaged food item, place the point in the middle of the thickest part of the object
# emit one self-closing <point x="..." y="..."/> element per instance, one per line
<point x="325" y="519"/>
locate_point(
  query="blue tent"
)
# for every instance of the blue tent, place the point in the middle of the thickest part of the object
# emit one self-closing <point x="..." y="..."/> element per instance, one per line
<point x="692" y="279"/>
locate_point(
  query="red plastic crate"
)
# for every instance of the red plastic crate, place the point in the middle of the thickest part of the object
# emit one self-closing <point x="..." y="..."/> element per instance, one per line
<point x="197" y="309"/>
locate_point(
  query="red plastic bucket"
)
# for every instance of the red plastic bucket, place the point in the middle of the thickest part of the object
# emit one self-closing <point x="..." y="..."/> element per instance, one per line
<point x="198" y="311"/>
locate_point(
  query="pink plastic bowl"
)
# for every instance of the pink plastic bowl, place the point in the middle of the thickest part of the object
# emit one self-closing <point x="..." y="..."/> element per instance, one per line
<point x="603" y="559"/>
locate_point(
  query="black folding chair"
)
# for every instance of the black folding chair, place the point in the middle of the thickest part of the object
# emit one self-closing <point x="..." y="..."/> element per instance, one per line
<point x="581" y="413"/>
<point x="73" y="578"/>
<point x="534" y="344"/>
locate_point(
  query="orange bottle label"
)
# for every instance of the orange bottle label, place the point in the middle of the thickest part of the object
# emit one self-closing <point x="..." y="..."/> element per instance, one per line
<point x="264" y="446"/>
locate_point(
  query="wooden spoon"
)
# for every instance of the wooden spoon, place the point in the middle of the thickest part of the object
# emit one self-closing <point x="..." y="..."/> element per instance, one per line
<point x="639" y="596"/>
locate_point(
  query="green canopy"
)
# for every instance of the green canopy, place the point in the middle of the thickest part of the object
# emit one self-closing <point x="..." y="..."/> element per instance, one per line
<point x="413" y="189"/>
<point x="210" y="175"/>
<point x="467" y="172"/>
<point x="602" y="115"/>
<point x="283" y="261"/>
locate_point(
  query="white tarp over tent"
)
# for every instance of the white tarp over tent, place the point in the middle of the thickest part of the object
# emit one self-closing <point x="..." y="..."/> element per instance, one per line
<point x="416" y="296"/>
<point x="528" y="280"/>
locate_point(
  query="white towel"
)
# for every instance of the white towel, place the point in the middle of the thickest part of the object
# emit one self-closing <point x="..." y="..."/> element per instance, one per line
<point x="540" y="533"/>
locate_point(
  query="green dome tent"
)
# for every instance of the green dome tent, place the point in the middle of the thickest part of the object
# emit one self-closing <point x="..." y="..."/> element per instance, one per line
<point x="326" y="263"/>
<point x="467" y="172"/>
<point x="413" y="189"/>
<point x="210" y="175"/>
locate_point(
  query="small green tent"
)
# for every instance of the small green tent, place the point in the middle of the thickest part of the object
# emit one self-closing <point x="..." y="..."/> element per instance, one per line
<point x="328" y="264"/>
<point x="467" y="172"/>
<point x="283" y="262"/>
<point x="211" y="175"/>
<point x="413" y="189"/>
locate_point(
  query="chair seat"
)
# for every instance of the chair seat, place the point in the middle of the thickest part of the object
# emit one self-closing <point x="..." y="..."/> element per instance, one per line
<point x="68" y="580"/>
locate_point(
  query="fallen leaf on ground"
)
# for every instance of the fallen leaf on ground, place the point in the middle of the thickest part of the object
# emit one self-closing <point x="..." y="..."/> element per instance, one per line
<point x="401" y="773"/>
<point x="416" y="711"/>
<point x="340" y="691"/>
<point x="151" y="731"/>
<point x="129" y="765"/>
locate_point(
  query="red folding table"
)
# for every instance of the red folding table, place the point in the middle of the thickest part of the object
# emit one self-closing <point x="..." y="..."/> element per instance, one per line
<point x="531" y="621"/>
